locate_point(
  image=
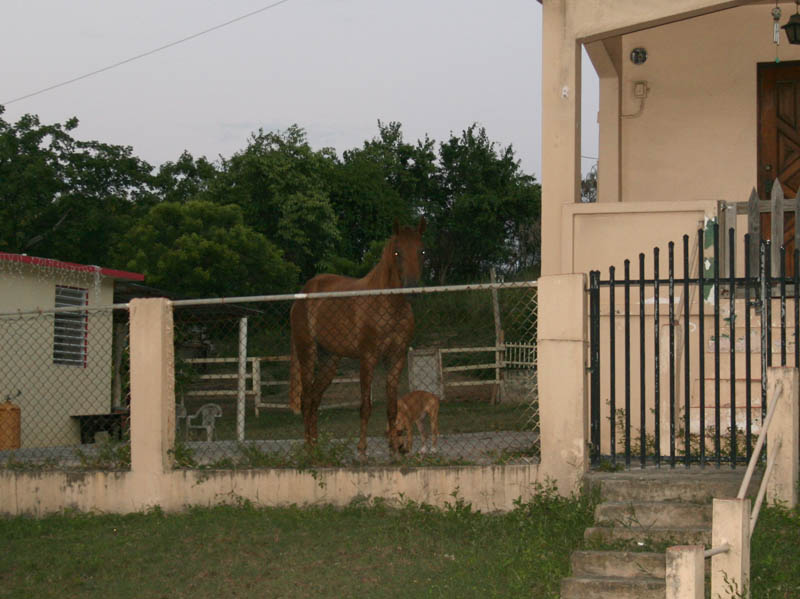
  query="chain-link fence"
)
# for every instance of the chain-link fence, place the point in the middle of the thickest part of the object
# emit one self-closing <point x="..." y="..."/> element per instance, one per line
<point x="472" y="349"/>
<point x="64" y="387"/>
<point x="66" y="374"/>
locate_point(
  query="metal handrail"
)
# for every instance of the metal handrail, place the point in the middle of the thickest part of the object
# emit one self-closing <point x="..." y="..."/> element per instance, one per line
<point x="751" y="466"/>
<point x="778" y="393"/>
<point x="763" y="488"/>
<point x="724" y="548"/>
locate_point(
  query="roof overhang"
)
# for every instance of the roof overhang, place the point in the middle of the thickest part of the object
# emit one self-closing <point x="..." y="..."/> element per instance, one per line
<point x="591" y="20"/>
<point x="111" y="273"/>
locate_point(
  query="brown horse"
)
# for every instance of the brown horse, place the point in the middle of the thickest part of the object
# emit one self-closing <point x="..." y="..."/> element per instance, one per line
<point x="368" y="327"/>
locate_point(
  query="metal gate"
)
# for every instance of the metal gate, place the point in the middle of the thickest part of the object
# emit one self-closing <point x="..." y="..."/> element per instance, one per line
<point x="686" y="382"/>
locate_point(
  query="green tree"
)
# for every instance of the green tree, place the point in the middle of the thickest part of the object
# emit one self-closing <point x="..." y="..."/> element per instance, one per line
<point x="485" y="212"/>
<point x="275" y="178"/>
<point x="202" y="249"/>
<point x="383" y="180"/>
<point x="64" y="198"/>
<point x="185" y="179"/>
<point x="589" y="186"/>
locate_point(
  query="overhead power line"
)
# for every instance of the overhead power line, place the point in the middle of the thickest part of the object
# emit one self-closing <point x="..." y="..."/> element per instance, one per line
<point x="144" y="54"/>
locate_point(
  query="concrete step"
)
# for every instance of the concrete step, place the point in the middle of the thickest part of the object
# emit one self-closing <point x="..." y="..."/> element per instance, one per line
<point x="740" y="387"/>
<point x="755" y="314"/>
<point x="618" y="564"/>
<point x="695" y="485"/>
<point x="725" y="403"/>
<point x="755" y="342"/>
<point x="741" y="364"/>
<point x="643" y="535"/>
<point x="590" y="587"/>
<point x="641" y="508"/>
<point x="653" y="514"/>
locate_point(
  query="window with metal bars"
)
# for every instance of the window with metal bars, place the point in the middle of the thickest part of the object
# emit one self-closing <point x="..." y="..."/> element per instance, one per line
<point x="70" y="328"/>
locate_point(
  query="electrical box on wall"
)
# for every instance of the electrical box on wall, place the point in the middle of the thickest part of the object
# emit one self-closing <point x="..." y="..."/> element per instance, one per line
<point x="640" y="89"/>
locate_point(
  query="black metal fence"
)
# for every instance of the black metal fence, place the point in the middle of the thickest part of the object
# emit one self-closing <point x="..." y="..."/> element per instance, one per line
<point x="687" y="384"/>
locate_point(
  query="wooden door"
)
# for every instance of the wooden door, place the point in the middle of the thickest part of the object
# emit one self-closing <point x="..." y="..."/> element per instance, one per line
<point x="779" y="140"/>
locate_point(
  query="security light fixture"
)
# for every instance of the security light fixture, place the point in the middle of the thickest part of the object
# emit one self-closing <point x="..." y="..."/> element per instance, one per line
<point x="792" y="27"/>
<point x="638" y="55"/>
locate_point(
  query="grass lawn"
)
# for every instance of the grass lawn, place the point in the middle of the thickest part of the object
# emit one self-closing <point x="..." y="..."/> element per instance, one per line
<point x="775" y="555"/>
<point x="364" y="550"/>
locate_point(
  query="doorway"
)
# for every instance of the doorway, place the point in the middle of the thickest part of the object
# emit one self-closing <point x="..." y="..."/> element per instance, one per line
<point x="779" y="141"/>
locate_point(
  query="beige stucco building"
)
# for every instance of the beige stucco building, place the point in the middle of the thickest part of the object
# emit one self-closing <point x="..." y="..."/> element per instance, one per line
<point x="71" y="352"/>
<point x="697" y="107"/>
<point x="692" y="124"/>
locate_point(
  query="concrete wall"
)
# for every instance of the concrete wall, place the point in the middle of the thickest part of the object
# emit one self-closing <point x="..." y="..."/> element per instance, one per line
<point x="490" y="488"/>
<point x="57" y="391"/>
<point x="597" y="236"/>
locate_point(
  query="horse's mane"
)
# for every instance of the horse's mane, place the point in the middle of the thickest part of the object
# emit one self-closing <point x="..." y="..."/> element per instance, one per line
<point x="380" y="276"/>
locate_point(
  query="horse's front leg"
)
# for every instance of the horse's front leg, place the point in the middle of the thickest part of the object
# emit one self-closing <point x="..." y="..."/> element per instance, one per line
<point x="396" y="363"/>
<point x="368" y="362"/>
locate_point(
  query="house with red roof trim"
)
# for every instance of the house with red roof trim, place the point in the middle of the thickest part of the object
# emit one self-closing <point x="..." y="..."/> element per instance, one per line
<point x="55" y="316"/>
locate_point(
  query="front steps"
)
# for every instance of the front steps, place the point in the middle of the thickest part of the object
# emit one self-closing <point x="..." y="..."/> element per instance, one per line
<point x="641" y="513"/>
<point x="735" y="334"/>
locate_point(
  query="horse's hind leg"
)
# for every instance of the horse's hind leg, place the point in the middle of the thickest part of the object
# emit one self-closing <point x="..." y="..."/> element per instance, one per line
<point x="307" y="357"/>
<point x="422" y="435"/>
<point x="328" y="363"/>
<point x="433" y="420"/>
<point x="368" y="362"/>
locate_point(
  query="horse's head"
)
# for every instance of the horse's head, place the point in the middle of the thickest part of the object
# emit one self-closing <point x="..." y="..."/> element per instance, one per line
<point x="407" y="253"/>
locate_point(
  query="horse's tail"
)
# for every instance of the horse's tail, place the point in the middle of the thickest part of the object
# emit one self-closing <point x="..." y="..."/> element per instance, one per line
<point x="295" y="378"/>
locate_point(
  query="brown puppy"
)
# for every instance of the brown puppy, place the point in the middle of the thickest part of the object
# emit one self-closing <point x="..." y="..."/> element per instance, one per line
<point x="411" y="409"/>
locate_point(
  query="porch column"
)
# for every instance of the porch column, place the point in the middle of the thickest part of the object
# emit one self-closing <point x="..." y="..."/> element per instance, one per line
<point x="561" y="126"/>
<point x="605" y="57"/>
<point x="563" y="406"/>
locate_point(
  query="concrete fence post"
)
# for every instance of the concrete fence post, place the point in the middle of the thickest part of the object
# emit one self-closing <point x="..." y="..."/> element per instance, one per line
<point x="782" y="484"/>
<point x="685" y="572"/>
<point x="563" y="402"/>
<point x="152" y="386"/>
<point x="730" y="571"/>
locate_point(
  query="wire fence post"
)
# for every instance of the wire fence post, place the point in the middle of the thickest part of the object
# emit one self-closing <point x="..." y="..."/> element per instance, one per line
<point x="242" y="379"/>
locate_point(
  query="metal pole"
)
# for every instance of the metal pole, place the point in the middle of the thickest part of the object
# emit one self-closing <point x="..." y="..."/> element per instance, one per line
<point x="594" y="357"/>
<point x="612" y="347"/>
<point x="656" y="361"/>
<point x="497" y="394"/>
<point x="242" y="379"/>
<point x="732" y="332"/>
<point x="686" y="354"/>
<point x="701" y="337"/>
<point x="627" y="363"/>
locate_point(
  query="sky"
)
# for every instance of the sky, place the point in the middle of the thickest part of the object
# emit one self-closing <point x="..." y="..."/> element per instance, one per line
<point x="334" y="67"/>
